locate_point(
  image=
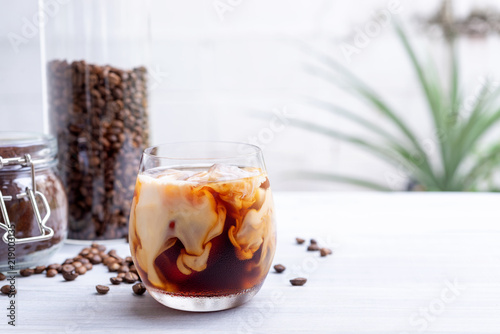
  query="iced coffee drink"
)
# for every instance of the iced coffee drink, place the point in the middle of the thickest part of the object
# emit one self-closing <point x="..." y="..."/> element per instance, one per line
<point x="203" y="232"/>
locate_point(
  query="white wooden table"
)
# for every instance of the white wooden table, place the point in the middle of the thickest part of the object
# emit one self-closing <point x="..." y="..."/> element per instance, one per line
<point x="403" y="263"/>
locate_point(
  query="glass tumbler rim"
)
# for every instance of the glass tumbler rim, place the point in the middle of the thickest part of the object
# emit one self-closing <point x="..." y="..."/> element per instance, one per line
<point x="240" y="149"/>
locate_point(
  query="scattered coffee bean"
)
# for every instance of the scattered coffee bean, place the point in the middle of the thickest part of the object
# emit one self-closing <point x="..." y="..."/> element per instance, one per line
<point x="313" y="247"/>
<point x="51" y="272"/>
<point x="77" y="264"/>
<point x="130" y="278"/>
<point x="102" y="289"/>
<point x="84" y="260"/>
<point x="67" y="268"/>
<point x="108" y="260"/>
<point x="77" y="258"/>
<point x="68" y="261"/>
<point x="81" y="270"/>
<point x="55" y="266"/>
<point x="299" y="281"/>
<point x="129" y="260"/>
<point x="123" y="269"/>
<point x="40" y="269"/>
<point x="279" y="268"/>
<point x="113" y="267"/>
<point x="26" y="272"/>
<point x="2" y="277"/>
<point x="300" y="241"/>
<point x="325" y="251"/>
<point x="69" y="276"/>
<point x="116" y="280"/>
<point x="85" y="252"/>
<point x="112" y="252"/>
<point x="139" y="289"/>
<point x="313" y="242"/>
<point x="133" y="269"/>
<point x="6" y="290"/>
<point x="88" y="266"/>
<point x="121" y="275"/>
<point x="96" y="259"/>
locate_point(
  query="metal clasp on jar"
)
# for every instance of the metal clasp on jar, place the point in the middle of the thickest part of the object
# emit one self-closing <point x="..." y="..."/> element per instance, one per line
<point x="31" y="193"/>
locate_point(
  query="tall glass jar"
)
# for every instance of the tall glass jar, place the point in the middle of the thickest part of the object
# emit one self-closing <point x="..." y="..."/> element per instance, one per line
<point x="94" y="57"/>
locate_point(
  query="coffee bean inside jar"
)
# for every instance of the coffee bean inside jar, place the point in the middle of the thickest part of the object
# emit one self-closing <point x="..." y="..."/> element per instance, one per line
<point x="99" y="115"/>
<point x="35" y="242"/>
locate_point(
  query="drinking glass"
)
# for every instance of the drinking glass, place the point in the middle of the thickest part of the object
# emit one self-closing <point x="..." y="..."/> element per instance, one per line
<point x="202" y="229"/>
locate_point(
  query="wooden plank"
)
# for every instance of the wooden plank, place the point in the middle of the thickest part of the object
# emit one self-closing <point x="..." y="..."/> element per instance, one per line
<point x="442" y="276"/>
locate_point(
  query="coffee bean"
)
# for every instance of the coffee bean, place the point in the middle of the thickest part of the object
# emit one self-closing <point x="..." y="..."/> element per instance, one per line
<point x="121" y="275"/>
<point x="102" y="289"/>
<point x="77" y="264"/>
<point x="123" y="269"/>
<point x="299" y="281"/>
<point x="77" y="258"/>
<point x="112" y="252"/>
<point x="107" y="261"/>
<point x="139" y="289"/>
<point x="69" y="276"/>
<point x="300" y="241"/>
<point x="88" y="266"/>
<point x="313" y="247"/>
<point x="67" y="268"/>
<point x="133" y="269"/>
<point x="85" y="252"/>
<point x="84" y="260"/>
<point x="279" y="268"/>
<point x="55" y="266"/>
<point x="81" y="270"/>
<point x="325" y="251"/>
<point x="68" y="261"/>
<point x="96" y="259"/>
<point x="116" y="280"/>
<point x="26" y="272"/>
<point x="51" y="272"/>
<point x="112" y="267"/>
<point x="40" y="269"/>
<point x="129" y="260"/>
<point x="6" y="290"/>
<point x="99" y="115"/>
<point x="313" y="242"/>
<point x="2" y="277"/>
<point x="130" y="278"/>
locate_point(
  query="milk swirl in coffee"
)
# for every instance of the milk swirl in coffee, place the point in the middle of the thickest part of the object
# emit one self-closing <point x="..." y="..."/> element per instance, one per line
<point x="203" y="231"/>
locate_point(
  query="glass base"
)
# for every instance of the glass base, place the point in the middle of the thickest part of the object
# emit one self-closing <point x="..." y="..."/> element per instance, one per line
<point x="203" y="304"/>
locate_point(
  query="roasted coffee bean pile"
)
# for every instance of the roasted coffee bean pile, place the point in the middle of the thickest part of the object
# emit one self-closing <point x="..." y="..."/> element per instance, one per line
<point x="313" y="246"/>
<point x="96" y="254"/>
<point x="99" y="115"/>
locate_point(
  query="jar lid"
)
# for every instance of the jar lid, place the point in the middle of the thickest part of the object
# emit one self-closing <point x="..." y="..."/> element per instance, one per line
<point x="42" y="148"/>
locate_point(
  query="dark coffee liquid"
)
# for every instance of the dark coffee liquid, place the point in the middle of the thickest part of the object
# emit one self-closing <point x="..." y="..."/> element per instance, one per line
<point x="225" y="273"/>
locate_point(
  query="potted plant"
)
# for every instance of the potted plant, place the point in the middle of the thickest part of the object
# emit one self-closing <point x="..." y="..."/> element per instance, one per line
<point x="465" y="163"/>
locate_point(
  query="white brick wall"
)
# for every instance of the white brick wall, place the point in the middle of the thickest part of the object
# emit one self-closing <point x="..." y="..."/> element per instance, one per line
<point x="222" y="71"/>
